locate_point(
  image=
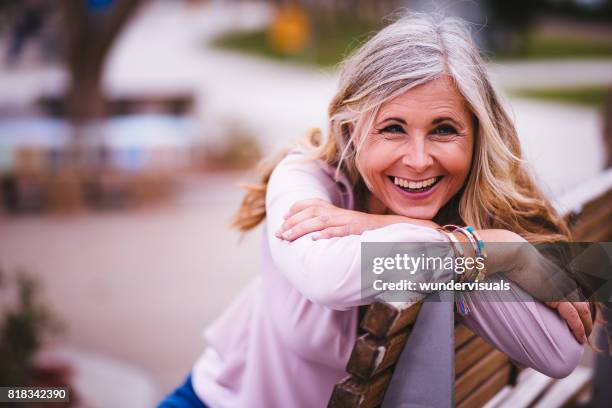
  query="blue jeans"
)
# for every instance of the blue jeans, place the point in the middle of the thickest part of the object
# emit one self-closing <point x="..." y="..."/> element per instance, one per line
<point x="183" y="397"/>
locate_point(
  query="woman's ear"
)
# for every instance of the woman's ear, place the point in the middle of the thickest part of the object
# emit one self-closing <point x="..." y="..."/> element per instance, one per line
<point x="347" y="130"/>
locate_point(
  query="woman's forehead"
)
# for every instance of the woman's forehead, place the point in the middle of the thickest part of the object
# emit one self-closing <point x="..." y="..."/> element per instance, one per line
<point x="439" y="96"/>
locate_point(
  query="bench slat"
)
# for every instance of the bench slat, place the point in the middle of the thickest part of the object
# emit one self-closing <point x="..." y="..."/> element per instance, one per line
<point x="353" y="393"/>
<point x="372" y="355"/>
<point x="470" y="353"/>
<point x="566" y="389"/>
<point x="482" y="394"/>
<point x="384" y="319"/>
<point x="462" y="335"/>
<point x="479" y="373"/>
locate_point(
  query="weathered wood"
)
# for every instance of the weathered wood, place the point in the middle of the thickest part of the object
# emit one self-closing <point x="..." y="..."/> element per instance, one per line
<point x="531" y="384"/>
<point x="470" y="353"/>
<point x="567" y="389"/>
<point x="386" y="319"/>
<point x="479" y="373"/>
<point x="593" y="224"/>
<point x="462" y="335"/>
<point x="372" y="355"/>
<point x="354" y="393"/>
<point x="479" y="396"/>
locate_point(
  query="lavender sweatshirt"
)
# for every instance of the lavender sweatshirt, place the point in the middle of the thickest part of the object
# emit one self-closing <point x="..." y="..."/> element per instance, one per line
<point x="286" y="339"/>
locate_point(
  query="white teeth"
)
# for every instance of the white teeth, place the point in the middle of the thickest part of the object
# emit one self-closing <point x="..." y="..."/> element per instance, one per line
<point x="414" y="185"/>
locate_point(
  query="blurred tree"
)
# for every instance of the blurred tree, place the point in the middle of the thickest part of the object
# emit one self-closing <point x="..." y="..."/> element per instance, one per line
<point x="511" y="21"/>
<point x="23" y="328"/>
<point x="90" y="28"/>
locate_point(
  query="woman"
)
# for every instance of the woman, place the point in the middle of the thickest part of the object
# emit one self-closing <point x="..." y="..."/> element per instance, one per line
<point x="417" y="139"/>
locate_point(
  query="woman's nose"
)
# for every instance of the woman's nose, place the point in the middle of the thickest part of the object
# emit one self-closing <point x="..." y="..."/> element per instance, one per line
<point x="417" y="156"/>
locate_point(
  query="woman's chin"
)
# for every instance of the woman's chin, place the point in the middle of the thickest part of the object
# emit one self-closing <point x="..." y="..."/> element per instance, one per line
<point x="419" y="213"/>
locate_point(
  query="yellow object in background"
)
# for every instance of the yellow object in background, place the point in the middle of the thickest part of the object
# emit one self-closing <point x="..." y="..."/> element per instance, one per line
<point x="289" y="33"/>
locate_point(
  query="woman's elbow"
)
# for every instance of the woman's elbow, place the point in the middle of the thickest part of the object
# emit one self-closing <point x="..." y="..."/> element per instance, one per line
<point x="328" y="298"/>
<point x="565" y="362"/>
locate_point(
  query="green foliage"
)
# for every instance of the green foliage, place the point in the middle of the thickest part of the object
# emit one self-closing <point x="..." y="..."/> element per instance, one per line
<point x="332" y="40"/>
<point x="547" y="46"/>
<point x="586" y="96"/>
<point x="23" y="327"/>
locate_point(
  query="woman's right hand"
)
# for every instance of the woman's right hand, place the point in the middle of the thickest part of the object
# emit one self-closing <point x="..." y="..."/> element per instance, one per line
<point x="329" y="221"/>
<point x="578" y="317"/>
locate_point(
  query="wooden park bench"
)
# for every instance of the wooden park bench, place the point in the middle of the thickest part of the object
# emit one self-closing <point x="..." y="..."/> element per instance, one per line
<point x="484" y="376"/>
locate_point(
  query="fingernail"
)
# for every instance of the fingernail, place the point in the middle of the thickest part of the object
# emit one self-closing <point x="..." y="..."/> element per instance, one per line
<point x="286" y="216"/>
<point x="277" y="234"/>
<point x="287" y="234"/>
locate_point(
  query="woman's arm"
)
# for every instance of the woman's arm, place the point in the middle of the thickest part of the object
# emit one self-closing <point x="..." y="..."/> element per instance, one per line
<point x="328" y="272"/>
<point x="328" y="221"/>
<point x="323" y="220"/>
<point x="529" y="332"/>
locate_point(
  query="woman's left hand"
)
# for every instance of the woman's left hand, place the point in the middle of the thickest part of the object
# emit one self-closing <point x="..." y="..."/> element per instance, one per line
<point x="316" y="215"/>
<point x="578" y="317"/>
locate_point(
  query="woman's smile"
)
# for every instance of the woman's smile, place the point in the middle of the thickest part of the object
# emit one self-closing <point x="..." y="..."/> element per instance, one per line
<point x="416" y="189"/>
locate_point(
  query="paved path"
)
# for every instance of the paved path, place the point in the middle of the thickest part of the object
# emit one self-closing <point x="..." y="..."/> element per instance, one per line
<point x="139" y="286"/>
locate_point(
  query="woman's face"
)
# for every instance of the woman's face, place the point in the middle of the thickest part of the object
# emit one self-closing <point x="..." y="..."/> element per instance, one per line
<point x="419" y="151"/>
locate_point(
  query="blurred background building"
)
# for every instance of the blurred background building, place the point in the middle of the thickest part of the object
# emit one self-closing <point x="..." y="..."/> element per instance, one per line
<point x="126" y="125"/>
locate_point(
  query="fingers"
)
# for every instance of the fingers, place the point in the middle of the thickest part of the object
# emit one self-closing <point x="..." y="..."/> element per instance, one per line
<point x="576" y="311"/>
<point x="552" y="304"/>
<point x="584" y="311"/>
<point x="572" y="318"/>
<point x="307" y="226"/>
<point x="333" y="232"/>
<point x="305" y="214"/>
<point x="301" y="205"/>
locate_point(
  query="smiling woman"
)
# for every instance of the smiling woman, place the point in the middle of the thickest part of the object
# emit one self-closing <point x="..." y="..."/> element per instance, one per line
<point x="417" y="138"/>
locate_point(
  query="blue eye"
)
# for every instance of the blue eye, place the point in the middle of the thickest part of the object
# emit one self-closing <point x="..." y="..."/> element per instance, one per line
<point x="392" y="129"/>
<point x="445" y="130"/>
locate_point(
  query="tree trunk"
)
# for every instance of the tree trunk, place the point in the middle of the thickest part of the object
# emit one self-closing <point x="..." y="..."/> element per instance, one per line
<point x="85" y="99"/>
<point x="89" y="36"/>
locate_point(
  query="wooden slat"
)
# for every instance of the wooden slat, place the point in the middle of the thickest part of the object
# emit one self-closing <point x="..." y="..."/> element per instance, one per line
<point x="479" y="373"/>
<point x="470" y="353"/>
<point x="593" y="220"/>
<point x="483" y="393"/>
<point x="567" y="389"/>
<point x="372" y="355"/>
<point x="462" y="335"/>
<point x="353" y="393"/>
<point x="593" y="224"/>
<point x="531" y="384"/>
<point x="385" y="319"/>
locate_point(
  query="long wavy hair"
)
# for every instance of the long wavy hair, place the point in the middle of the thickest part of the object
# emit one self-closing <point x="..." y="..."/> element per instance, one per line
<point x="415" y="49"/>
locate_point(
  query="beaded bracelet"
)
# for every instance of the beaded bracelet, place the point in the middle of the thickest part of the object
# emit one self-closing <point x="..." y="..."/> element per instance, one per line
<point x="467" y="231"/>
<point x="480" y="252"/>
<point x="460" y="301"/>
<point x="468" y="276"/>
